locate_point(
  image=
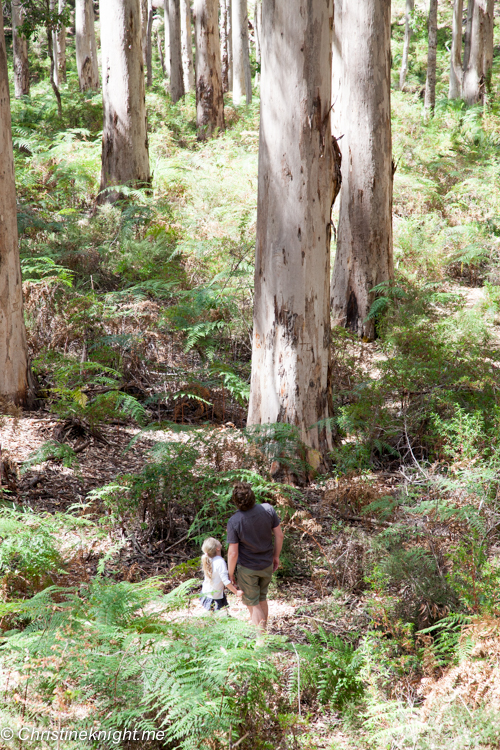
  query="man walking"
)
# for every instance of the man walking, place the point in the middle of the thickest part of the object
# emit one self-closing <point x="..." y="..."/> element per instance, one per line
<point x="250" y="533"/>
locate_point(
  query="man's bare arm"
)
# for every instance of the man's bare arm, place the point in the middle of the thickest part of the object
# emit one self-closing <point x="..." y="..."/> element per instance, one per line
<point x="232" y="559"/>
<point x="278" y="544"/>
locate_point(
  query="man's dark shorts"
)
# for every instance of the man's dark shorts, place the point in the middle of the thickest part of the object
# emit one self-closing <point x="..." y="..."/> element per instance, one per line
<point x="254" y="584"/>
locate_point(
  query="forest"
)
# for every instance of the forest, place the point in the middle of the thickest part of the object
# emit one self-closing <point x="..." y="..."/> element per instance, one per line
<point x="250" y="244"/>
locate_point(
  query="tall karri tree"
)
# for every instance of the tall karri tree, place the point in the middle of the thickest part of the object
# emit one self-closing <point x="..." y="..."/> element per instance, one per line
<point x="86" y="48"/>
<point x="209" y="94"/>
<point x="125" y="151"/>
<point x="19" y="52"/>
<point x="14" y="376"/>
<point x="364" y="256"/>
<point x="291" y="335"/>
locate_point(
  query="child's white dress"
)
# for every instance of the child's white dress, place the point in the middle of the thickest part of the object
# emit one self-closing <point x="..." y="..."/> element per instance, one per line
<point x="212" y="592"/>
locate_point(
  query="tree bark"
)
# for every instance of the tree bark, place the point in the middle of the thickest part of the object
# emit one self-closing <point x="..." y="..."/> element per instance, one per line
<point x="364" y="256"/>
<point x="489" y="29"/>
<point x="337" y="71"/>
<point x="430" y="84"/>
<point x="125" y="157"/>
<point x="209" y="95"/>
<point x="144" y="31"/>
<point x="480" y="52"/>
<point x="242" y="81"/>
<point x="167" y="37"/>
<point x="456" y="71"/>
<point x="291" y="336"/>
<point x="176" y="72"/>
<point x="51" y="53"/>
<point x="20" y="53"/>
<point x="187" y="46"/>
<point x="149" y="45"/>
<point x="225" y="43"/>
<point x="410" y="5"/>
<point x="258" y="34"/>
<point x="86" y="49"/>
<point x="14" y="378"/>
<point x="59" y="45"/>
<point x="160" y="52"/>
<point x="468" y="30"/>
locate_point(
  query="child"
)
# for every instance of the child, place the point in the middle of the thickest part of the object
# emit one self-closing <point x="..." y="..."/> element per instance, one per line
<point x="216" y="576"/>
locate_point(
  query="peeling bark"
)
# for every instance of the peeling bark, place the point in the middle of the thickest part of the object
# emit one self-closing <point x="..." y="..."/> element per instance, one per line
<point x="456" y="70"/>
<point x="86" y="48"/>
<point x="225" y="44"/>
<point x="291" y="336"/>
<point x="125" y="158"/>
<point x="430" y="84"/>
<point x="187" y="46"/>
<point x="364" y="256"/>
<point x="209" y="95"/>
<point x="242" y="80"/>
<point x="20" y="53"/>
<point x="174" y="35"/>
<point x="14" y="382"/>
<point x="480" y="51"/>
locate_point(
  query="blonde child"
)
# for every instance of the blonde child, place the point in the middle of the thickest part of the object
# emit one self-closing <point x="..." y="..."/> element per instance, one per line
<point x="216" y="576"/>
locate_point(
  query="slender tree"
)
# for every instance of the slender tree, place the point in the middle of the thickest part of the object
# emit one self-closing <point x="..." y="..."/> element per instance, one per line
<point x="291" y="335"/>
<point x="337" y="68"/>
<point x="364" y="256"/>
<point x="144" y="30"/>
<point x="209" y="95"/>
<point x="125" y="158"/>
<point x="242" y="81"/>
<point x="187" y="46"/>
<point x="479" y="60"/>
<point x="149" y="45"/>
<point x="176" y="71"/>
<point x="225" y="44"/>
<point x="86" y="49"/>
<point x="167" y="37"/>
<point x="14" y="375"/>
<point x="430" y="83"/>
<point x="468" y="33"/>
<point x="456" y="71"/>
<point x="59" y="41"/>
<point x="257" y="21"/>
<point x="20" y="53"/>
<point x="410" y="5"/>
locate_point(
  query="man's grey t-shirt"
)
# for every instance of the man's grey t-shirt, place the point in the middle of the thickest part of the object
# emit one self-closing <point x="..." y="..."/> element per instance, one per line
<point x="253" y="531"/>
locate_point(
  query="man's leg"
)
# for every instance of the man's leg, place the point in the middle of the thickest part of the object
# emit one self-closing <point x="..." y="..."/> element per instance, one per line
<point x="258" y="615"/>
<point x="265" y="609"/>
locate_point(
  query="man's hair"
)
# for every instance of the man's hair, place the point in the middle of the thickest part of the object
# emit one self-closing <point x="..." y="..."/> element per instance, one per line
<point x="243" y="496"/>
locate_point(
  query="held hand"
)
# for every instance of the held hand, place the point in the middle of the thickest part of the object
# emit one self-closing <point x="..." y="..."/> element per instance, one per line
<point x="239" y="594"/>
<point x="276" y="564"/>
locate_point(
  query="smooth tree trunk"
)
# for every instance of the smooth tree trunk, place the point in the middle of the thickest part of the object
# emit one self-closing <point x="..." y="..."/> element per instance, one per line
<point x="167" y="37"/>
<point x="53" y="68"/>
<point x="337" y="71"/>
<point x="209" y="94"/>
<point x="144" y="30"/>
<point x="410" y="5"/>
<point x="291" y="334"/>
<point x="149" y="45"/>
<point x="480" y="52"/>
<point x="20" y="53"/>
<point x="187" y="46"/>
<point x="14" y="376"/>
<point x="176" y="72"/>
<point x="364" y="257"/>
<point x="59" y="44"/>
<point x="242" y="82"/>
<point x="86" y="48"/>
<point x="258" y="33"/>
<point x="430" y="83"/>
<point x="456" y="70"/>
<point x="225" y="43"/>
<point x="125" y="157"/>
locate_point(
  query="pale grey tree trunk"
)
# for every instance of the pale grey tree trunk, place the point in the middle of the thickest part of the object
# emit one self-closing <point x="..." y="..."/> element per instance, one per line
<point x="167" y="37"/>
<point x="337" y="70"/>
<point x="209" y="94"/>
<point x="258" y="34"/>
<point x="364" y="256"/>
<point x="242" y="81"/>
<point x="144" y="31"/>
<point x="176" y="71"/>
<point x="14" y="377"/>
<point x="474" y="73"/>
<point x="291" y="334"/>
<point x="225" y="43"/>
<point x="149" y="45"/>
<point x="489" y="29"/>
<point x="86" y="48"/>
<point x="60" y="48"/>
<point x="410" y="5"/>
<point x="20" y="53"/>
<point x="468" y="31"/>
<point x="187" y="45"/>
<point x="456" y="70"/>
<point x="160" y="52"/>
<point x="125" y="158"/>
<point x="430" y="83"/>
